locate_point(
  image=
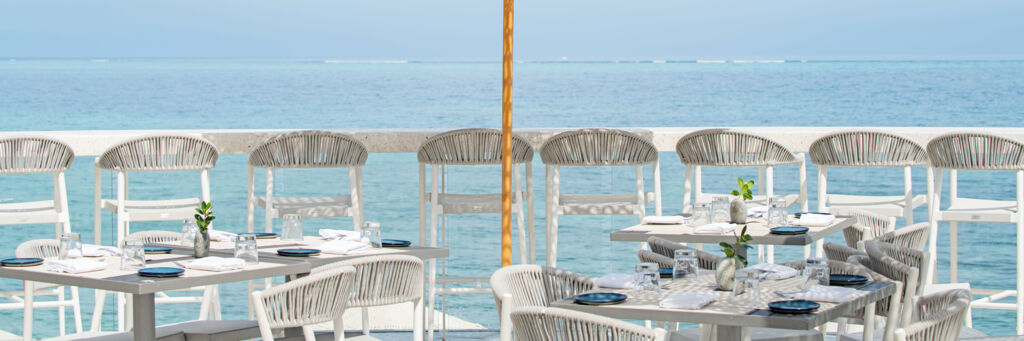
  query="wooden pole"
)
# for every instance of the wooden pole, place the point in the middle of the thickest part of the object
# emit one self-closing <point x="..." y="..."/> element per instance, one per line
<point x="506" y="137"/>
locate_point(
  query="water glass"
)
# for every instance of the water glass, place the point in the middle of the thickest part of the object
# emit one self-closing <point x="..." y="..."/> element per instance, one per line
<point x="720" y="210"/>
<point x="748" y="283"/>
<point x="701" y="214"/>
<point x="777" y="214"/>
<point x="816" y="272"/>
<point x="685" y="265"/>
<point x="133" y="255"/>
<point x="70" y="246"/>
<point x="291" y="227"/>
<point x="188" y="232"/>
<point x="370" y="234"/>
<point x="648" y="277"/>
<point x="245" y="248"/>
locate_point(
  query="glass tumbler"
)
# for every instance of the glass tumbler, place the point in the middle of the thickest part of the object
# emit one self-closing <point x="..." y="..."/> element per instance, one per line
<point x="133" y="255"/>
<point x="816" y="272"/>
<point x="701" y="214"/>
<point x="648" y="277"/>
<point x="748" y="284"/>
<point x="720" y="210"/>
<point x="70" y="246"/>
<point x="370" y="234"/>
<point x="291" y="227"/>
<point x="245" y="248"/>
<point x="188" y="232"/>
<point x="777" y="212"/>
<point x="685" y="265"/>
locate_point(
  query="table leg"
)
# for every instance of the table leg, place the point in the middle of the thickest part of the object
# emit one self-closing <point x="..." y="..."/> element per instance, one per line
<point x="26" y="330"/>
<point x="143" y="319"/>
<point x="869" y="322"/>
<point x="731" y="333"/>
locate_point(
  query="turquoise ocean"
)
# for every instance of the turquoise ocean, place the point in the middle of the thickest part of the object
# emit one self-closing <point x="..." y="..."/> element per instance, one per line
<point x="41" y="95"/>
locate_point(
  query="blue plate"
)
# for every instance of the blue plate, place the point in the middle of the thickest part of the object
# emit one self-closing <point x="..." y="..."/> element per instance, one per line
<point x="264" y="235"/>
<point x="789" y="230"/>
<point x="394" y="243"/>
<point x="298" y="252"/>
<point x="150" y="250"/>
<point x="845" y="280"/>
<point x="793" y="307"/>
<point x="798" y="214"/>
<point x="161" y="272"/>
<point x="665" y="272"/>
<point x="21" y="262"/>
<point x="600" y="298"/>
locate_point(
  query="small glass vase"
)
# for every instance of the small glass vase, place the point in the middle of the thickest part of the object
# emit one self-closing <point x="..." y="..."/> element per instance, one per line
<point x="201" y="247"/>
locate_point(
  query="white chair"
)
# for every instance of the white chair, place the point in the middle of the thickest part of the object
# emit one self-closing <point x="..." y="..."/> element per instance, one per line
<point x="532" y="285"/>
<point x="936" y="317"/>
<point x="153" y="153"/>
<point x="385" y="280"/>
<point x="982" y="152"/>
<point x="875" y="227"/>
<point x="46" y="249"/>
<point x="864" y="149"/>
<point x="662" y="251"/>
<point x="317" y="298"/>
<point x="596" y="147"/>
<point x="728" y="148"/>
<point x="549" y="324"/>
<point x="38" y="155"/>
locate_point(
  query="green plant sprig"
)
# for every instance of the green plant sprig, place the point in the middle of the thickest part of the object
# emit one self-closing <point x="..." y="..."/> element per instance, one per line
<point x="731" y="250"/>
<point x="744" y="189"/>
<point x="204" y="216"/>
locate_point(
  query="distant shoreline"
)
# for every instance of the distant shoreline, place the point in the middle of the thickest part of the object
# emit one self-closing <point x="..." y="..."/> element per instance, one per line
<point x="537" y="61"/>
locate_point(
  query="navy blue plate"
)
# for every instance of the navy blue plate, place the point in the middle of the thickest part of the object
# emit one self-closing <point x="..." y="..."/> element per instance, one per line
<point x="394" y="243"/>
<point x="600" y="298"/>
<point x="161" y="272"/>
<point x="845" y="280"/>
<point x="798" y="214"/>
<point x="793" y="307"/>
<point x="150" y="250"/>
<point x="789" y="230"/>
<point x="20" y="262"/>
<point x="298" y="252"/>
<point x="265" y="235"/>
<point x="665" y="272"/>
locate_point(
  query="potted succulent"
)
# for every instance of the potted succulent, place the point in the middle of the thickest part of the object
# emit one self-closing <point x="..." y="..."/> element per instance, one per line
<point x="204" y="217"/>
<point x="735" y="258"/>
<point x="738" y="206"/>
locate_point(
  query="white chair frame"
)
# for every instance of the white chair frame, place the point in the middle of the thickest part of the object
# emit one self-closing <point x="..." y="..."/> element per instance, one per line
<point x="47" y="249"/>
<point x="319" y="297"/>
<point x="385" y="280"/>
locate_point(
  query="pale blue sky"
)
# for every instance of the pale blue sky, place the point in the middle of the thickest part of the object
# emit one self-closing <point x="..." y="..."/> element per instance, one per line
<point x="546" y="29"/>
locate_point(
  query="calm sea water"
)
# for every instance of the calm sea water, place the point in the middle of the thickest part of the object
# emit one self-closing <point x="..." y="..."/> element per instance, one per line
<point x="183" y="94"/>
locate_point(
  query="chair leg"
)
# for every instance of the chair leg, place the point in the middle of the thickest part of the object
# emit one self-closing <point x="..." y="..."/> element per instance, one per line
<point x="99" y="301"/>
<point x="417" y="320"/>
<point x="339" y="329"/>
<point x="26" y="331"/>
<point x="61" y="312"/>
<point x="365" y="312"/>
<point x="76" y="309"/>
<point x="204" y="306"/>
<point x="307" y="333"/>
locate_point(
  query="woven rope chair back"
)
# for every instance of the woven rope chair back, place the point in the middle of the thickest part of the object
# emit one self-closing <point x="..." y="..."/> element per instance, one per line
<point x="939" y="316"/>
<point x="866" y="149"/>
<point x="383" y="280"/>
<point x="316" y="298"/>
<point x="975" y="151"/>
<point x="875" y="224"/>
<point x="538" y="285"/>
<point x="25" y="155"/>
<point x="897" y="263"/>
<point x="721" y="147"/>
<point x="38" y="248"/>
<point x="160" y="153"/>
<point x="471" y="147"/>
<point x="550" y="324"/>
<point x="309" y="149"/>
<point x="598" y="147"/>
<point x="156" y="237"/>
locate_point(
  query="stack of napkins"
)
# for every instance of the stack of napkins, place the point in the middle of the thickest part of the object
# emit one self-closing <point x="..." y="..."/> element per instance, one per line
<point x="813" y="219"/>
<point x="616" y="281"/>
<point x="216" y="264"/>
<point x="691" y="301"/>
<point x="664" y="220"/>
<point x="344" y="247"/>
<point x="75" y="266"/>
<point x="775" y="271"/>
<point x="221" y="236"/>
<point x="822" y="293"/>
<point x="757" y="212"/>
<point x="90" y="250"/>
<point x="330" y="234"/>
<point x="715" y="228"/>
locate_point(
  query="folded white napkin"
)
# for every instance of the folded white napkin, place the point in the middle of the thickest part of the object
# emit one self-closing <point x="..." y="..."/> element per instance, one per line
<point x="813" y="219"/>
<point x="664" y="220"/>
<point x="775" y="271"/>
<point x="221" y="236"/>
<point x="90" y="250"/>
<point x="216" y="264"/>
<point x="616" y="281"/>
<point x="715" y="228"/>
<point x="330" y="234"/>
<point x="822" y="293"/>
<point x="757" y="212"/>
<point x="692" y="300"/>
<point x="75" y="266"/>
<point x="344" y="247"/>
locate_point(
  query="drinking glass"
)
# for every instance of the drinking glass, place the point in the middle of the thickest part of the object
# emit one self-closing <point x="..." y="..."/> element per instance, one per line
<point x="701" y="214"/>
<point x="245" y="248"/>
<point x="70" y="246"/>
<point x="748" y="283"/>
<point x="188" y="232"/>
<point x="370" y="234"/>
<point x="720" y="209"/>
<point x="685" y="265"/>
<point x="133" y="255"/>
<point x="291" y="227"/>
<point x="816" y="272"/>
<point x="777" y="212"/>
<point x="648" y="277"/>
